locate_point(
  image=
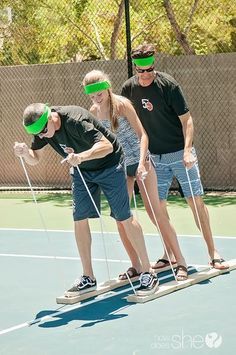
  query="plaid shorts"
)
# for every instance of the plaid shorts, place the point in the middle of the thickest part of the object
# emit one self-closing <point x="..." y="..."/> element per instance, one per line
<point x="171" y="164"/>
<point x="112" y="181"/>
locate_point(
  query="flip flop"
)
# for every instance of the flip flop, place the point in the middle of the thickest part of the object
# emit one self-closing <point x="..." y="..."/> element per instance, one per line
<point x="165" y="264"/>
<point x="181" y="273"/>
<point x="132" y="272"/>
<point x="219" y="261"/>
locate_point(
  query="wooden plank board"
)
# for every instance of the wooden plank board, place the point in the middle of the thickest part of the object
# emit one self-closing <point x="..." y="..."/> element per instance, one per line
<point x="115" y="283"/>
<point x="102" y="288"/>
<point x="173" y="286"/>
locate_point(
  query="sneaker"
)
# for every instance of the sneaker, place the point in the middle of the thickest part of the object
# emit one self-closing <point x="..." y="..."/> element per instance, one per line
<point x="148" y="284"/>
<point x="83" y="285"/>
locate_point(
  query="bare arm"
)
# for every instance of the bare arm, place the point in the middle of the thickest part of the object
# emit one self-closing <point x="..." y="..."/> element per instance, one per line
<point x="32" y="157"/>
<point x="98" y="150"/>
<point x="128" y="111"/>
<point x="188" y="129"/>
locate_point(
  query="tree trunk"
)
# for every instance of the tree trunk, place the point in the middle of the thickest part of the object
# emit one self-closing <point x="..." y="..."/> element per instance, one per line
<point x="116" y="29"/>
<point x="180" y="36"/>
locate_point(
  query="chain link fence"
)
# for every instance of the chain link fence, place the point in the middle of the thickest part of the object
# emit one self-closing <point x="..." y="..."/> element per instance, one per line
<point x="46" y="48"/>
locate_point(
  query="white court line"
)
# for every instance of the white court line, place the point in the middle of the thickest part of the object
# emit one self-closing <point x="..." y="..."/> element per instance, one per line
<point x="51" y="257"/>
<point x="197" y="236"/>
<point x="68" y="309"/>
<point x="59" y="257"/>
<point x="112" y="233"/>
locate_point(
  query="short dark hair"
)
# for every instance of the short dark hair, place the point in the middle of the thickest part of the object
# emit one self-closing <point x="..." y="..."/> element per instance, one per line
<point x="144" y="50"/>
<point x="32" y="113"/>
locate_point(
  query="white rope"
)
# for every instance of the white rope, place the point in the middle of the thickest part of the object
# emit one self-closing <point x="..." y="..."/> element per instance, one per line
<point x="131" y="283"/>
<point x="34" y="197"/>
<point x="100" y="220"/>
<point x="158" y="227"/>
<point x="135" y="206"/>
<point x="38" y="209"/>
<point x="194" y="201"/>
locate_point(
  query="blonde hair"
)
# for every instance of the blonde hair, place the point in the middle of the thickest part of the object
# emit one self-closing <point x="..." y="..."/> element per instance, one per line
<point x="96" y="76"/>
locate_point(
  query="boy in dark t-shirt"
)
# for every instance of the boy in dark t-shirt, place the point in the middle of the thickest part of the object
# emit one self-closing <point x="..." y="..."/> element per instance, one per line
<point x="157" y="106"/>
<point x="82" y="141"/>
<point x="164" y="113"/>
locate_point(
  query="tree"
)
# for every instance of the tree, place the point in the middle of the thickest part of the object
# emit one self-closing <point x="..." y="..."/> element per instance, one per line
<point x="49" y="31"/>
<point x="181" y="36"/>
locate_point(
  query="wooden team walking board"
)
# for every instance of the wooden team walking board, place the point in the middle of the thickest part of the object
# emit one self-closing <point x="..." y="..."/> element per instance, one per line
<point x="164" y="289"/>
<point x="173" y="286"/>
<point x="102" y="288"/>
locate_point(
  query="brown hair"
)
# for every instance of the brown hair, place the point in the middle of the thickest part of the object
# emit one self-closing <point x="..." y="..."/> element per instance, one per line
<point x="144" y="50"/>
<point x="95" y="76"/>
<point x="32" y="113"/>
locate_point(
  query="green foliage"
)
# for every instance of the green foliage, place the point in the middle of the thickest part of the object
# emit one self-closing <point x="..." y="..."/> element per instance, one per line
<point x="80" y="6"/>
<point x="49" y="31"/>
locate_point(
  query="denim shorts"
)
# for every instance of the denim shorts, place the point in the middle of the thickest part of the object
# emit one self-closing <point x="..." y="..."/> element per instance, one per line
<point x="112" y="182"/>
<point x="171" y="164"/>
<point x="131" y="170"/>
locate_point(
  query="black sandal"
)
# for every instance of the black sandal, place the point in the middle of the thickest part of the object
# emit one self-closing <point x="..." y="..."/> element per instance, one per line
<point x="164" y="261"/>
<point x="132" y="272"/>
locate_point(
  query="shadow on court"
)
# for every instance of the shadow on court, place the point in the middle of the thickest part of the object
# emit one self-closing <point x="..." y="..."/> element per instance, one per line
<point x="101" y="311"/>
<point x="92" y="314"/>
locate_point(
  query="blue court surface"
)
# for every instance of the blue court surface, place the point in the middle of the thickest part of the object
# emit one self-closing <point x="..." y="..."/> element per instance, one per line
<point x="37" y="266"/>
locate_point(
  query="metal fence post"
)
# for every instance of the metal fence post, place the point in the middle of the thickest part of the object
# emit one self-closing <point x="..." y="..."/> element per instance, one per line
<point x="128" y="39"/>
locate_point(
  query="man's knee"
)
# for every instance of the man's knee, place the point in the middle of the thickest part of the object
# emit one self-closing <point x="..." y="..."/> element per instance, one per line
<point x="126" y="221"/>
<point x="81" y="222"/>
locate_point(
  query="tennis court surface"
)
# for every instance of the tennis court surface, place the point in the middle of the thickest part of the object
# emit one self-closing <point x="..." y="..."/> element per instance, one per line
<point x="38" y="265"/>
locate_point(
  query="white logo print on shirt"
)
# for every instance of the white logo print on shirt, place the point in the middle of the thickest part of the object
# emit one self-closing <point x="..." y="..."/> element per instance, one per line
<point x="147" y="104"/>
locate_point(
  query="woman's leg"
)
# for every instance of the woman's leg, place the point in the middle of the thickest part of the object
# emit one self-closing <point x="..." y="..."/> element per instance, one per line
<point x="160" y="215"/>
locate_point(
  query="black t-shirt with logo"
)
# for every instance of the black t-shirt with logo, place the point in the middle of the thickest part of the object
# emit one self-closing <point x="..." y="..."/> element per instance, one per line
<point x="79" y="131"/>
<point x="158" y="107"/>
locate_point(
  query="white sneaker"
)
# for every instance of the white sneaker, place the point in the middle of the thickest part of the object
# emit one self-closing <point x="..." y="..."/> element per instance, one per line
<point x="148" y="284"/>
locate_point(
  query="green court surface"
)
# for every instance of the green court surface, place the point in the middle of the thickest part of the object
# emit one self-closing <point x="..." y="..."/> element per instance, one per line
<point x="19" y="211"/>
<point x="38" y="264"/>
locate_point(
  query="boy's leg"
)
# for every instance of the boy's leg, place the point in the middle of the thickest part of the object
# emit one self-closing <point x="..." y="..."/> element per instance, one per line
<point x="135" y="261"/>
<point x="87" y="282"/>
<point x="113" y="184"/>
<point x="148" y="279"/>
<point x="84" y="242"/>
<point x="164" y="180"/>
<point x="135" y="235"/>
<point x="201" y="212"/>
<point x="83" y="209"/>
<point x="217" y="261"/>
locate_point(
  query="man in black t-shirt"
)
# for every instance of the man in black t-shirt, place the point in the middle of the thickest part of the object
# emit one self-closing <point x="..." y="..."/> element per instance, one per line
<point x="164" y="113"/>
<point x="82" y="141"/>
